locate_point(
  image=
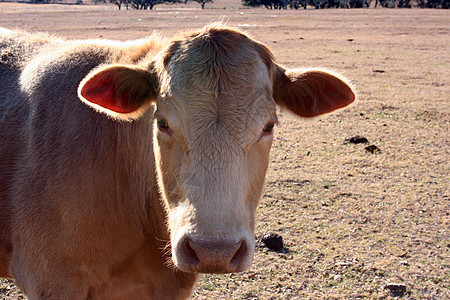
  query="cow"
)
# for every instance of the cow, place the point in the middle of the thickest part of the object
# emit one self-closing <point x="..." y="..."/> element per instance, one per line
<point x="128" y="168"/>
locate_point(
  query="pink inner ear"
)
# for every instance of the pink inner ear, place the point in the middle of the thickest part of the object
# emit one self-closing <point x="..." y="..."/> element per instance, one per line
<point x="101" y="90"/>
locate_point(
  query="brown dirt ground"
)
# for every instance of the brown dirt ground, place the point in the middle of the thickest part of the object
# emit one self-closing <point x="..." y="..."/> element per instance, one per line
<point x="352" y="221"/>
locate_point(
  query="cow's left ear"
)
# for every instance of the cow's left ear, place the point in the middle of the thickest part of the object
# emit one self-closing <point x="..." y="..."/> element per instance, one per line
<point x="310" y="92"/>
<point x="120" y="91"/>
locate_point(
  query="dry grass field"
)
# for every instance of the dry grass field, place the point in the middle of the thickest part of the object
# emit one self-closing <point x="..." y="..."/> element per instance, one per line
<point x="353" y="222"/>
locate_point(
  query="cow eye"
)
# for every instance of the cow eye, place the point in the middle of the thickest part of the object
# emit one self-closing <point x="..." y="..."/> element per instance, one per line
<point x="268" y="129"/>
<point x="162" y="124"/>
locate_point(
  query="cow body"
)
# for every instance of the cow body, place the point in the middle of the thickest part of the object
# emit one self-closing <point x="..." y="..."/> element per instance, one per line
<point x="113" y="200"/>
<point x="68" y="171"/>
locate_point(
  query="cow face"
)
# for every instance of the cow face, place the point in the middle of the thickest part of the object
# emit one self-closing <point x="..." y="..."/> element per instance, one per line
<point x="213" y="129"/>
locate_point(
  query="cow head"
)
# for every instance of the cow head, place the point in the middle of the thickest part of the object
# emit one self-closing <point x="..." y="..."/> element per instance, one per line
<point x="216" y="92"/>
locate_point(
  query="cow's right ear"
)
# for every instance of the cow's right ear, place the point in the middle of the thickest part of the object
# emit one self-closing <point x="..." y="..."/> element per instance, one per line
<point x="122" y="92"/>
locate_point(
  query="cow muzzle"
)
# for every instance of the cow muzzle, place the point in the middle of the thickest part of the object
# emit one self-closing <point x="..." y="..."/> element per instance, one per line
<point x="202" y="254"/>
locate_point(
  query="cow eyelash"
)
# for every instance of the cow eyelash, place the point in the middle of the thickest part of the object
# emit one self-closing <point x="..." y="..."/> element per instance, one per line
<point x="162" y="124"/>
<point x="268" y="128"/>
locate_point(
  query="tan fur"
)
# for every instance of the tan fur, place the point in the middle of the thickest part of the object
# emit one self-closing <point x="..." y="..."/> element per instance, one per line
<point x="110" y="206"/>
<point x="80" y="214"/>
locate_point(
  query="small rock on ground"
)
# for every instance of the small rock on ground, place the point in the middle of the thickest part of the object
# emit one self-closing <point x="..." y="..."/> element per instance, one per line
<point x="397" y="289"/>
<point x="272" y="241"/>
<point x="357" y="139"/>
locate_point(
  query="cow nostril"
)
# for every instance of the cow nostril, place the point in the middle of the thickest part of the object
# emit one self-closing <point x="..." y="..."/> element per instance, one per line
<point x="189" y="254"/>
<point x="239" y="255"/>
<point x="206" y="255"/>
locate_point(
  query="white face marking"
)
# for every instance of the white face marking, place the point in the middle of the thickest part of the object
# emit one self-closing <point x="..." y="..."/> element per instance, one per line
<point x="212" y="137"/>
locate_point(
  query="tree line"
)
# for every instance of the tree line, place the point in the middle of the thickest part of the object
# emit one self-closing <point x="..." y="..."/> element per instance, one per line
<point x="132" y="4"/>
<point x="149" y="4"/>
<point x="296" y="4"/>
<point x="280" y="4"/>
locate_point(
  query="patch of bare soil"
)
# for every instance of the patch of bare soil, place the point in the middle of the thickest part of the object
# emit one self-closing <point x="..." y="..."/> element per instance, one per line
<point x="355" y="223"/>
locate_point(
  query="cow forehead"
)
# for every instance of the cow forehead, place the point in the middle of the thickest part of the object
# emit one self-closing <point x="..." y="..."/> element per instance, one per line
<point x="216" y="60"/>
<point x="217" y="83"/>
<point x="238" y="76"/>
<point x="232" y="113"/>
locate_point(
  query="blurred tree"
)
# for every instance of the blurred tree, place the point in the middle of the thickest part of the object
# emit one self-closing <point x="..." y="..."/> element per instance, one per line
<point x="251" y="3"/>
<point x="119" y="3"/>
<point x="202" y="2"/>
<point x="143" y="4"/>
